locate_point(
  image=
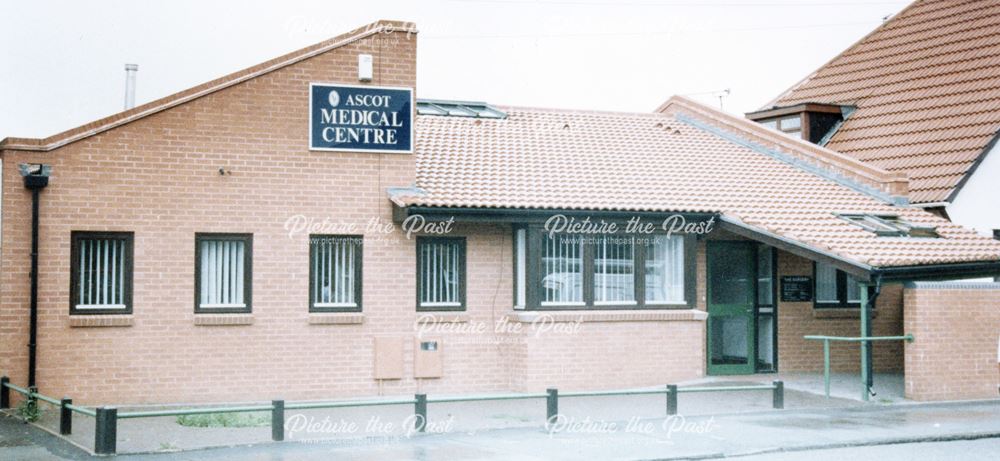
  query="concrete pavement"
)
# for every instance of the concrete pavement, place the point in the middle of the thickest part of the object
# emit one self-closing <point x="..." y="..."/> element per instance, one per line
<point x="789" y="433"/>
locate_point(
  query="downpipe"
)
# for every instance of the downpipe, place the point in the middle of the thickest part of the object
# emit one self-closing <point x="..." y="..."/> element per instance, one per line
<point x="36" y="178"/>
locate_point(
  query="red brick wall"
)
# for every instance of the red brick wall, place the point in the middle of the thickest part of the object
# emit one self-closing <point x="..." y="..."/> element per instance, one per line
<point x="158" y="177"/>
<point x="612" y="349"/>
<point x="954" y="352"/>
<point x="796" y="320"/>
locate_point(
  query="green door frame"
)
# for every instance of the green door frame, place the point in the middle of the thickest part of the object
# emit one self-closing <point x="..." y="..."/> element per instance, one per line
<point x="724" y="249"/>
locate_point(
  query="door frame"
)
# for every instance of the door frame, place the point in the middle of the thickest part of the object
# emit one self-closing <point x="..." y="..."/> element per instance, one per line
<point x="749" y="311"/>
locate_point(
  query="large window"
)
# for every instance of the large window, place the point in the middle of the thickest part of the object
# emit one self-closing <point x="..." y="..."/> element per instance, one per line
<point x="606" y="271"/>
<point x="335" y="273"/>
<point x="101" y="273"/>
<point x="440" y="273"/>
<point x="835" y="288"/>
<point x="223" y="273"/>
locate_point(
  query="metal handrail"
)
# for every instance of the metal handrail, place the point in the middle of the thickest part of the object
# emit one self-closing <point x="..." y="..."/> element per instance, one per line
<point x="82" y="410"/>
<point x="347" y="404"/>
<point x="105" y="432"/>
<point x="855" y="339"/>
<point x="760" y="387"/>
<point x="18" y="389"/>
<point x="908" y="338"/>
<point x="613" y="393"/>
<point x="484" y="398"/>
<point x="194" y="411"/>
<point x="33" y="395"/>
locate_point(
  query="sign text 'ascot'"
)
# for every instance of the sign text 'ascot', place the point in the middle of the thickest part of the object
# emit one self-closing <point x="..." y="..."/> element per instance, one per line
<point x="360" y="118"/>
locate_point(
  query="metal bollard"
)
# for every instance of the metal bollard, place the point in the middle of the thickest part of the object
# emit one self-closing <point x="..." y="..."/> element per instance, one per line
<point x="277" y="420"/>
<point x="106" y="432"/>
<point x="65" y="417"/>
<point x="420" y="412"/>
<point x="671" y="399"/>
<point x="551" y="406"/>
<point x="779" y="395"/>
<point x="4" y="392"/>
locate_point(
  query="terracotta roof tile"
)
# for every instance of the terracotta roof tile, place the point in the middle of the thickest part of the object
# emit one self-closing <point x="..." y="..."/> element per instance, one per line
<point x="926" y="84"/>
<point x="684" y="159"/>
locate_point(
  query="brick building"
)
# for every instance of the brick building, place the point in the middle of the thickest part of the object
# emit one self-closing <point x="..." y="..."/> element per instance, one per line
<point x="243" y="239"/>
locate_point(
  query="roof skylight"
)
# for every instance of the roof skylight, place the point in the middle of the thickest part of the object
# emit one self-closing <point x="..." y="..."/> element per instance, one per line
<point x="889" y="226"/>
<point x="458" y="109"/>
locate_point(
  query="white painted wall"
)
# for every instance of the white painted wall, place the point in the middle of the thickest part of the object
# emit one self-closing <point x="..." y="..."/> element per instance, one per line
<point x="978" y="203"/>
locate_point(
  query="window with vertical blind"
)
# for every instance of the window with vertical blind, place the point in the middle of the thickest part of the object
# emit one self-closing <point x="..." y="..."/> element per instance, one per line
<point x="440" y="273"/>
<point x="665" y="262"/>
<point x="562" y="266"/>
<point x="101" y="273"/>
<point x="602" y="271"/>
<point x="335" y="273"/>
<point x="614" y="270"/>
<point x="223" y="273"/>
<point x="835" y="288"/>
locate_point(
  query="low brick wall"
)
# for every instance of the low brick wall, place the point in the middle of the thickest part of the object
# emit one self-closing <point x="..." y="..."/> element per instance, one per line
<point x="601" y="350"/>
<point x="956" y="326"/>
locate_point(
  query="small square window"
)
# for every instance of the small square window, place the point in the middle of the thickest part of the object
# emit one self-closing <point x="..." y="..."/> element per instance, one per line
<point x="223" y="273"/>
<point x="835" y="288"/>
<point x="101" y="273"/>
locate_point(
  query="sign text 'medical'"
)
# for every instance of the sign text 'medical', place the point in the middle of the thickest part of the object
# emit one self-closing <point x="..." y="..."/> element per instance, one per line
<point x="360" y="118"/>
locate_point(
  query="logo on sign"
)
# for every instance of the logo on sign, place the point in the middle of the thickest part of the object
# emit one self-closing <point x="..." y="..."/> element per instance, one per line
<point x="360" y="118"/>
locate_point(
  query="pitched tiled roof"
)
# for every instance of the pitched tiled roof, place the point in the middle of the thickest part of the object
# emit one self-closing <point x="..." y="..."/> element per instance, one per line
<point x="687" y="159"/>
<point x="926" y="85"/>
<point x="150" y="108"/>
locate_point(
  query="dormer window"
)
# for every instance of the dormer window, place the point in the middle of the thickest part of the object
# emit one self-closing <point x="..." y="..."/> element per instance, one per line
<point x="889" y="226"/>
<point x="791" y="126"/>
<point x="813" y="122"/>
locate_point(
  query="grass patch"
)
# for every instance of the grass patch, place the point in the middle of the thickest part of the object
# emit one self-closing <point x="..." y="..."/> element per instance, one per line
<point x="258" y="419"/>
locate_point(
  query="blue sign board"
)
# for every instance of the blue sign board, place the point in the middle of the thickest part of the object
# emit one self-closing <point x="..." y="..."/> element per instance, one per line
<point x="360" y="118"/>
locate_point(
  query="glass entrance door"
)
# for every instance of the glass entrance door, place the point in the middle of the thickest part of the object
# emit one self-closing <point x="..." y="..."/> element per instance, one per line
<point x="732" y="335"/>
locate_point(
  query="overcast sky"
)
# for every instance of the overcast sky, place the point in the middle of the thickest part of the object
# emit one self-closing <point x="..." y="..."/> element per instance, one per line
<point x="62" y="62"/>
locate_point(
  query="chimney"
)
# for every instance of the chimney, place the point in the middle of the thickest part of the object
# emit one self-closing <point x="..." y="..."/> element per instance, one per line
<point x="130" y="70"/>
